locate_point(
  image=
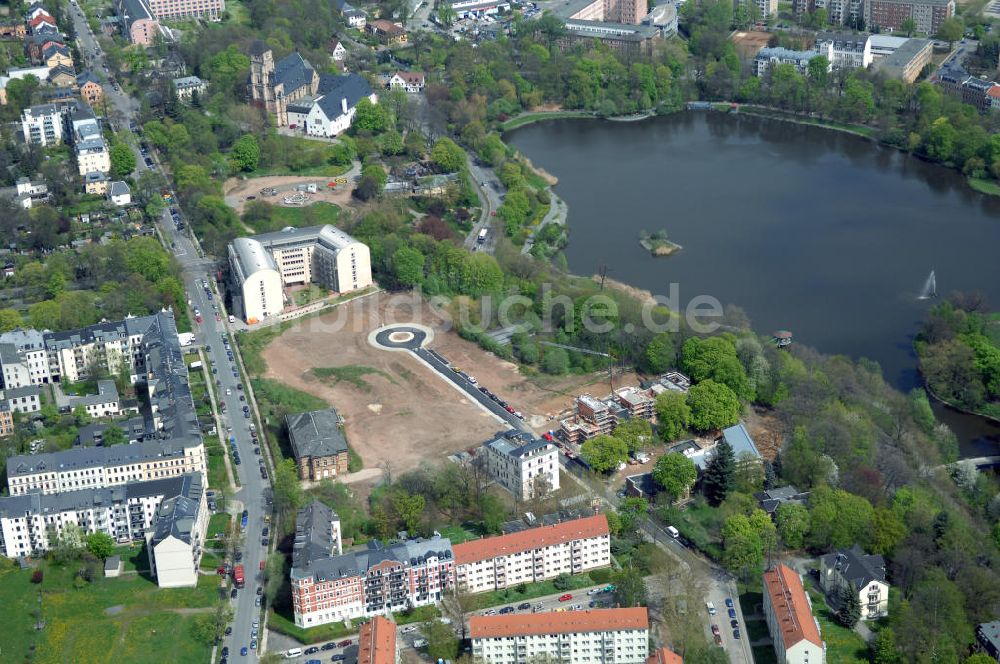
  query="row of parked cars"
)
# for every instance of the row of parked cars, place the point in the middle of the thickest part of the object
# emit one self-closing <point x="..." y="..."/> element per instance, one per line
<point x="734" y="622"/>
<point x="475" y="383"/>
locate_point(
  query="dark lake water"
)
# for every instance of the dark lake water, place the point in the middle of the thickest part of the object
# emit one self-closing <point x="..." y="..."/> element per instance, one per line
<point x="815" y="231"/>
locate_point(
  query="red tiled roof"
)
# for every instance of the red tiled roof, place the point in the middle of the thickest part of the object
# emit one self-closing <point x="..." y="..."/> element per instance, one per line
<point x="994" y="92"/>
<point x="664" y="656"/>
<point x="42" y="18"/>
<point x="784" y="588"/>
<point x="533" y="538"/>
<point x="593" y="620"/>
<point x="377" y="642"/>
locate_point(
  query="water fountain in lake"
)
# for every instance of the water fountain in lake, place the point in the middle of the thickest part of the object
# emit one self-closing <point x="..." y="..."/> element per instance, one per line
<point x="930" y="287"/>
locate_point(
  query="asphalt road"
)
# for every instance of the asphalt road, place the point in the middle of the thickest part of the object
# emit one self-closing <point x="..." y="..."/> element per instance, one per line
<point x="209" y="334"/>
<point x="490" y="197"/>
<point x="440" y="364"/>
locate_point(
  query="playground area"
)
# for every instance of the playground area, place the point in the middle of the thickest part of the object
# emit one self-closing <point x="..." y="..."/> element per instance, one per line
<point x="288" y="191"/>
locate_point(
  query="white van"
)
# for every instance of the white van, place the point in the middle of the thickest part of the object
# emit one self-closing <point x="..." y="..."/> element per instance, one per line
<point x="673" y="532"/>
<point x="708" y="605"/>
<point x="294" y="652"/>
<point x="232" y="318"/>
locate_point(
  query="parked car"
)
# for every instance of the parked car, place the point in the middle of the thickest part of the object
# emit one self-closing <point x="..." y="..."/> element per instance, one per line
<point x="232" y="594"/>
<point x="328" y="646"/>
<point x="736" y="634"/>
<point x="729" y="602"/>
<point x="507" y="609"/>
<point x="524" y="607"/>
<point x="732" y="613"/>
<point x="344" y="643"/>
<point x="565" y="598"/>
<point x="735" y="624"/>
<point x="309" y="651"/>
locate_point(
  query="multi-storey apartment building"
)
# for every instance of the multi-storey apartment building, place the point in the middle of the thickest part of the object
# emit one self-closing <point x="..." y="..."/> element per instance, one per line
<point x="171" y="10"/>
<point x="593" y="417"/>
<point x="43" y="124"/>
<point x="847" y="51"/>
<point x="177" y="538"/>
<point x="789" y="618"/>
<point x="928" y="15"/>
<point x="596" y="636"/>
<point x="31" y="524"/>
<point x="767" y="58"/>
<point x="101" y="467"/>
<point x="138" y="23"/>
<point x="864" y="573"/>
<point x="331" y="587"/>
<point x="261" y="265"/>
<point x="521" y="463"/>
<point x="170" y="443"/>
<point x="536" y="554"/>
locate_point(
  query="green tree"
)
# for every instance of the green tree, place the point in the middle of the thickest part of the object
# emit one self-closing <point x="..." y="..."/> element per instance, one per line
<point x="113" y="435"/>
<point x="122" y="160"/>
<point x="660" y="354"/>
<point x="838" y="519"/>
<point x="636" y="432"/>
<point x="370" y="117"/>
<point x="676" y="474"/>
<point x="713" y="406"/>
<point x="793" y="524"/>
<point x="449" y="157"/>
<point x="442" y="644"/>
<point x="887" y="532"/>
<point x="555" y="361"/>
<point x="673" y="415"/>
<point x="562" y="582"/>
<point x="908" y="27"/>
<point x="719" y="474"/>
<point x="630" y="588"/>
<point x="631" y="511"/>
<point x="245" y="154"/>
<point x="100" y="545"/>
<point x="883" y="648"/>
<point x="604" y="453"/>
<point x="849" y="612"/>
<point x="743" y="548"/>
<point x="81" y="416"/>
<point x="408" y="266"/>
<point x="715" y="358"/>
<point x="287" y="491"/>
<point x="409" y="508"/>
<point x="515" y="209"/>
<point x="10" y="319"/>
<point x="951" y="30"/>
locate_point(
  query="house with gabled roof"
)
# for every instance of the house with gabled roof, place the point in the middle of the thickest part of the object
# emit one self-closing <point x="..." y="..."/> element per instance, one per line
<point x="788" y="613"/>
<point x="865" y="573"/>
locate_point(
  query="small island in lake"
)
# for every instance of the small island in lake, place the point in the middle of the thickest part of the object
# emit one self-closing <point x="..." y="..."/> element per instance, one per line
<point x="657" y="243"/>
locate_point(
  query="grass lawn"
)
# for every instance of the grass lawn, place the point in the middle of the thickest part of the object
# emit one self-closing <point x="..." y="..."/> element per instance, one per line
<point x="283" y="623"/>
<point x="141" y="625"/>
<point x="531" y="118"/>
<point x="842" y="644"/>
<point x="218" y="524"/>
<point x="310" y="293"/>
<point x="238" y="12"/>
<point x="458" y="534"/>
<point x="985" y="186"/>
<point x="352" y="373"/>
<point x="307" y="157"/>
<point x="133" y="557"/>
<point x="417" y="615"/>
<point x="531" y="591"/>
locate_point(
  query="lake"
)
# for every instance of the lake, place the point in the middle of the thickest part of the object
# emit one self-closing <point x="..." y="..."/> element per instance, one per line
<point x="815" y="231"/>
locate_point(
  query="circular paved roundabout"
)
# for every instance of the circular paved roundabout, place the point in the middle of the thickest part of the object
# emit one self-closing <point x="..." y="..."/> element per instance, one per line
<point x="401" y="337"/>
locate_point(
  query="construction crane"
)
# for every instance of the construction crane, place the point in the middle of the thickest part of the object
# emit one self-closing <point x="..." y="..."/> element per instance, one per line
<point x="611" y="367"/>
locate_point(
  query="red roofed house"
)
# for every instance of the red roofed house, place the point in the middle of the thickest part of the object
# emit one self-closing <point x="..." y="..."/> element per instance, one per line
<point x="664" y="656"/>
<point x="597" y="636"/>
<point x="377" y="642"/>
<point x="790" y="620"/>
<point x="570" y="547"/>
<point x="387" y="32"/>
<point x="994" y="96"/>
<point x="43" y="23"/>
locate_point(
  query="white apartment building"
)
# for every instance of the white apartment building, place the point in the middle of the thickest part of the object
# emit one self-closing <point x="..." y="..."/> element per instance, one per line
<point x="595" y="636"/>
<point x="521" y="463"/>
<point x="536" y="554"/>
<point x="177" y="539"/>
<point x="22" y="399"/>
<point x="847" y="51"/>
<point x="30" y="524"/>
<point x="769" y="57"/>
<point x="865" y="573"/>
<point x="788" y="612"/>
<point x="43" y="124"/>
<point x="101" y="467"/>
<point x="322" y="254"/>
